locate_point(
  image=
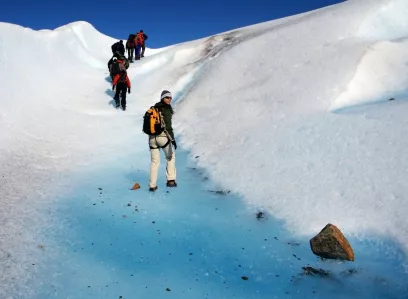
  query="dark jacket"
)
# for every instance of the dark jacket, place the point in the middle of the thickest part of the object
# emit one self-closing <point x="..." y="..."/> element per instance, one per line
<point x="121" y="48"/>
<point x="118" y="47"/>
<point x="167" y="113"/>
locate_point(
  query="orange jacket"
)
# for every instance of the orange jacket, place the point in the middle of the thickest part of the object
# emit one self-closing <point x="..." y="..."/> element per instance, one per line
<point x="116" y="79"/>
<point x="139" y="39"/>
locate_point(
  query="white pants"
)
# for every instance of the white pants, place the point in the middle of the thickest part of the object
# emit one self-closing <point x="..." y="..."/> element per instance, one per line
<point x="155" y="144"/>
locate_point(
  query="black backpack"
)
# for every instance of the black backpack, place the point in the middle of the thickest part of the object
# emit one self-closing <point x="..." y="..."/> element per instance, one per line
<point x="130" y="41"/>
<point x="115" y="68"/>
<point x="131" y="37"/>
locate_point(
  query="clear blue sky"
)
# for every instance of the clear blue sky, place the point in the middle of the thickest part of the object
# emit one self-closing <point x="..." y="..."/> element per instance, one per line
<point x="165" y="22"/>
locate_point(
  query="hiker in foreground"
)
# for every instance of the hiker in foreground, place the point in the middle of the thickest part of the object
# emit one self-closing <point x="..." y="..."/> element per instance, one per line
<point x="157" y="124"/>
<point x="122" y="83"/>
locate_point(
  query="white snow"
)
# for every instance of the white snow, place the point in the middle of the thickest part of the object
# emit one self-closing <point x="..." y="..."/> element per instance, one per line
<point x="282" y="149"/>
<point x="385" y="21"/>
<point x="293" y="116"/>
<point x="380" y="76"/>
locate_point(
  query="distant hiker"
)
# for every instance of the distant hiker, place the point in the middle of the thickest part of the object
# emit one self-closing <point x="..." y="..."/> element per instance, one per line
<point x="159" y="119"/>
<point x="140" y="44"/>
<point x="142" y="39"/>
<point x="122" y="83"/>
<point x="130" y="46"/>
<point x="118" y="47"/>
<point x="138" y="47"/>
<point x="114" y="47"/>
<point x="116" y="67"/>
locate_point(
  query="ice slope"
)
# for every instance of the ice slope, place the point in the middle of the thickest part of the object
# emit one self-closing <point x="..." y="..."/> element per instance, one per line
<point x="285" y="142"/>
<point x="46" y="96"/>
<point x="56" y="117"/>
<point x="295" y="141"/>
<point x="191" y="242"/>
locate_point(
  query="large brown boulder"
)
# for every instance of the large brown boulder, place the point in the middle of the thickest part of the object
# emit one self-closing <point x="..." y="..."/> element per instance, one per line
<point x="330" y="243"/>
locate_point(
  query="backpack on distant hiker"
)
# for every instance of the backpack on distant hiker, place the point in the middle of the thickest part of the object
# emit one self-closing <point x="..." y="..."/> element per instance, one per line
<point x="130" y="44"/>
<point x="115" y="68"/>
<point x="124" y="60"/>
<point x="153" y="124"/>
<point x="122" y="66"/>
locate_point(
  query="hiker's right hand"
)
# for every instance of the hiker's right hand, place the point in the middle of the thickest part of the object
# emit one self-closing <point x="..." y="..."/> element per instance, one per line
<point x="113" y="87"/>
<point x="174" y="144"/>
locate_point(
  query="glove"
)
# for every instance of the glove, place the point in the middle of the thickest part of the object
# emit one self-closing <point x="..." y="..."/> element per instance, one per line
<point x="113" y="87"/>
<point x="129" y="90"/>
<point x="174" y="144"/>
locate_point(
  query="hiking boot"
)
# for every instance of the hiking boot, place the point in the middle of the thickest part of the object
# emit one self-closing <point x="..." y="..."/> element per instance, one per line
<point x="117" y="105"/>
<point x="152" y="189"/>
<point x="171" y="183"/>
<point x="124" y="108"/>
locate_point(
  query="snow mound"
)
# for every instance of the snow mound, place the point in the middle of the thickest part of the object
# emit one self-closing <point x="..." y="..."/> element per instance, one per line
<point x="386" y="22"/>
<point x="382" y="74"/>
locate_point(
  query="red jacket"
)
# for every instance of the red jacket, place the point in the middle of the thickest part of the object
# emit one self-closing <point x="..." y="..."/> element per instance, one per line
<point x="139" y="40"/>
<point x="116" y="79"/>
